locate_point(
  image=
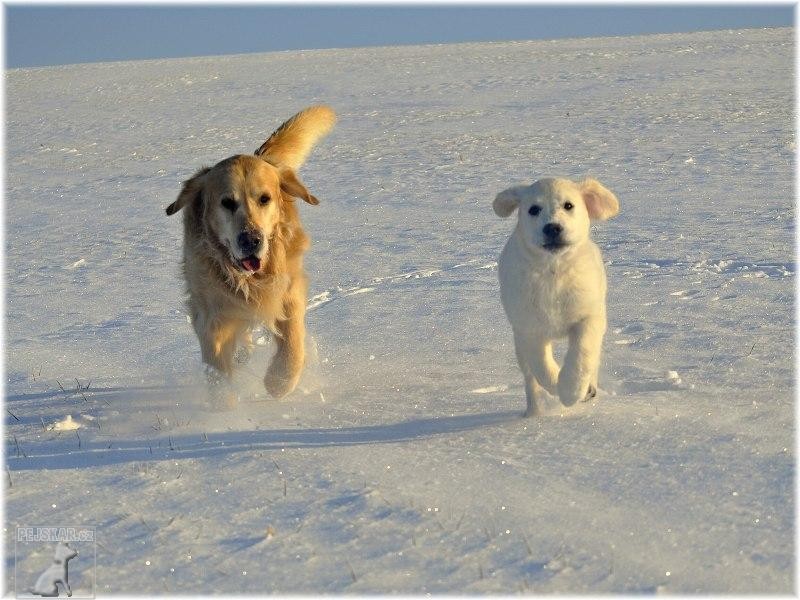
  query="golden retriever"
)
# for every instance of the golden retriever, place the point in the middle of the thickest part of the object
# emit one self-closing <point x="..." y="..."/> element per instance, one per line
<point x="553" y="284"/>
<point x="243" y="250"/>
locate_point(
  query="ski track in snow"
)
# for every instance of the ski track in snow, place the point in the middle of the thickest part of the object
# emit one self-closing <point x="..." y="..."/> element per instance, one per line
<point x="402" y="462"/>
<point x="334" y="294"/>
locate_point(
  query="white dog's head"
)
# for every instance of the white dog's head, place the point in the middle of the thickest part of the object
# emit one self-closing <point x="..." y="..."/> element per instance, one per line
<point x="555" y="214"/>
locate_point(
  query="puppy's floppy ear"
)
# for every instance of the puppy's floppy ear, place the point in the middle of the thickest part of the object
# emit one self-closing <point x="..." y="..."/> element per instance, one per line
<point x="507" y="201"/>
<point x="190" y="192"/>
<point x="600" y="202"/>
<point x="291" y="185"/>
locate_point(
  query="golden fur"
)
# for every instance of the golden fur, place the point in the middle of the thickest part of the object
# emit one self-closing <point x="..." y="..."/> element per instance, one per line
<point x="232" y="287"/>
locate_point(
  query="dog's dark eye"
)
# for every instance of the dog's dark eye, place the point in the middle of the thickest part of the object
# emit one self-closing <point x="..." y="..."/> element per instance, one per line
<point x="534" y="210"/>
<point x="229" y="204"/>
<point x="568" y="206"/>
<point x="264" y="199"/>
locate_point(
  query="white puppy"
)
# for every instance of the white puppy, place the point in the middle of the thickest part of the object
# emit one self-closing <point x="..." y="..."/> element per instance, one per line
<point x="553" y="284"/>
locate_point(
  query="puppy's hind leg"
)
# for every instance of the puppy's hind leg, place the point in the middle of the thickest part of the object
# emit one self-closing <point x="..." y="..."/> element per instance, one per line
<point x="533" y="391"/>
<point x="533" y="395"/>
<point x="544" y="366"/>
<point x="578" y="378"/>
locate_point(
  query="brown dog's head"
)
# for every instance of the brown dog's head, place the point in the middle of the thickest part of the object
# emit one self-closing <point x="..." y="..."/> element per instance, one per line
<point x="242" y="201"/>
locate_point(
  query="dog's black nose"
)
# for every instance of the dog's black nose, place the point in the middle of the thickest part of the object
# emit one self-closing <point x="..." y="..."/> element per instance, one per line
<point x="552" y="230"/>
<point x="249" y="242"/>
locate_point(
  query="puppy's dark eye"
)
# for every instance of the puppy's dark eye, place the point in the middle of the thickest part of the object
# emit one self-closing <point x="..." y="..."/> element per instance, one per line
<point x="534" y="210"/>
<point x="264" y="199"/>
<point x="568" y="206"/>
<point x="229" y="204"/>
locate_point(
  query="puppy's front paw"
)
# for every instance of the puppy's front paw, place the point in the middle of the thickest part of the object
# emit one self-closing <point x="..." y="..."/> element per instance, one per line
<point x="570" y="389"/>
<point x="590" y="393"/>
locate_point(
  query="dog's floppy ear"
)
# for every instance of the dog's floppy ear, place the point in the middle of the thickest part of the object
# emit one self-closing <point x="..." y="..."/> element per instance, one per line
<point x="191" y="191"/>
<point x="291" y="143"/>
<point x="600" y="202"/>
<point x="291" y="185"/>
<point x="507" y="201"/>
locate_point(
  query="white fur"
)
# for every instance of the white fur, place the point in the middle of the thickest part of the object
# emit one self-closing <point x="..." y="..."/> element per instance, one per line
<point x="556" y="292"/>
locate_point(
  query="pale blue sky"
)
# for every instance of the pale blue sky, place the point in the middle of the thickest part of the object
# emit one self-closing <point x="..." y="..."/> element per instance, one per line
<point x="63" y="34"/>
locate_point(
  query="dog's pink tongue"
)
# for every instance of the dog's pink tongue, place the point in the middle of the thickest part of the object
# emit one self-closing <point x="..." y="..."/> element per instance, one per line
<point x="251" y="263"/>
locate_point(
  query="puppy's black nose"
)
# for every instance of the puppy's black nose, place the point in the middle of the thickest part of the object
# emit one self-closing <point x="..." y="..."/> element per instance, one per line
<point x="249" y="242"/>
<point x="552" y="230"/>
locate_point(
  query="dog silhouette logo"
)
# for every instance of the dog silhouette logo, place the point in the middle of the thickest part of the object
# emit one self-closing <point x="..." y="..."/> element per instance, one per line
<point x="58" y="572"/>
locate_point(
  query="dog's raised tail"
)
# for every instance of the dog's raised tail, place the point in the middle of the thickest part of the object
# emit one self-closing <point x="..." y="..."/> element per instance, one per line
<point x="292" y="142"/>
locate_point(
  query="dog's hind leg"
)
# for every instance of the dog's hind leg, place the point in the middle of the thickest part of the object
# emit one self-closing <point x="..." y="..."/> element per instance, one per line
<point x="578" y="377"/>
<point x="218" y="339"/>
<point x="287" y="364"/>
<point x="527" y="352"/>
<point x="544" y="366"/>
<point x="244" y="350"/>
<point x="533" y="396"/>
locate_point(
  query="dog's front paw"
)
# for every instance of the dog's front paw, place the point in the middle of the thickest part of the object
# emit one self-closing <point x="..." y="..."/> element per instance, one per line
<point x="283" y="374"/>
<point x="278" y="387"/>
<point x="570" y="389"/>
<point x="279" y="382"/>
<point x="569" y="395"/>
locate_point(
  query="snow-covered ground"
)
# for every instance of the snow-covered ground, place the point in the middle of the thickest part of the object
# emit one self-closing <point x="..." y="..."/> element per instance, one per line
<point x="403" y="464"/>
